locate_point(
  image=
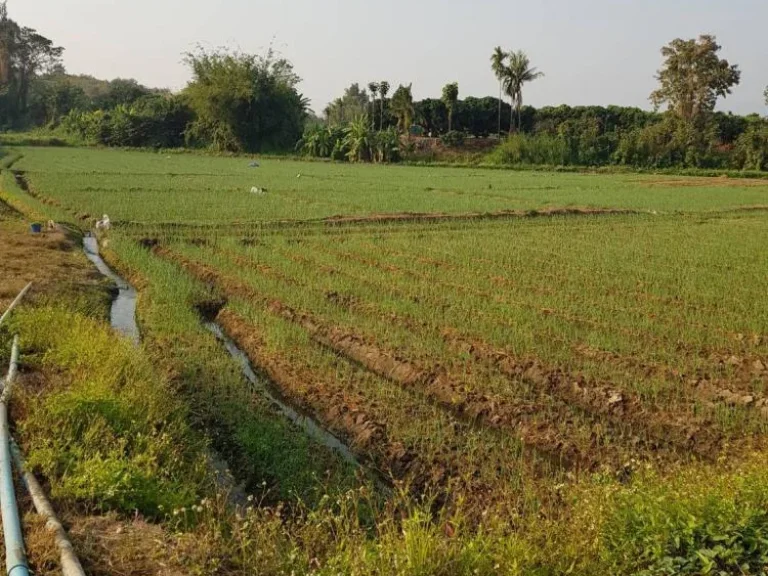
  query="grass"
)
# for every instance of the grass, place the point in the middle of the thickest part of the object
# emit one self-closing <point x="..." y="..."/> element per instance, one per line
<point x="578" y="393"/>
<point x="175" y="188"/>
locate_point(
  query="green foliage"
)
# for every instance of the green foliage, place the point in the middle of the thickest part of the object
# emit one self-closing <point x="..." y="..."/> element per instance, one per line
<point x="23" y="55"/>
<point x="450" y="97"/>
<point x="672" y="143"/>
<point x="359" y="140"/>
<point x="693" y="77"/>
<point x="600" y="137"/>
<point x="533" y="150"/>
<point x="751" y="151"/>
<point x="243" y="102"/>
<point x="53" y="97"/>
<point x="705" y="524"/>
<point x="514" y="71"/>
<point x="151" y="121"/>
<point x="402" y="107"/>
<point x="352" y="105"/>
<point x="453" y="139"/>
<point x="320" y="141"/>
<point x="114" y="437"/>
<point x="356" y="142"/>
<point x="383" y="92"/>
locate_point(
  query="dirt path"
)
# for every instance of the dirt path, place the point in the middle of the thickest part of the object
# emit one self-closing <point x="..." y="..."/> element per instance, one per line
<point x="51" y="260"/>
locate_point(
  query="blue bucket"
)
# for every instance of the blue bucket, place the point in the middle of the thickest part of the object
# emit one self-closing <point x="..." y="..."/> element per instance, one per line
<point x="36" y="228"/>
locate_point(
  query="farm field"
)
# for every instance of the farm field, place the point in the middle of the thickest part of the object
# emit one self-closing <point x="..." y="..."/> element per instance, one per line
<point x="456" y="344"/>
<point x="180" y="188"/>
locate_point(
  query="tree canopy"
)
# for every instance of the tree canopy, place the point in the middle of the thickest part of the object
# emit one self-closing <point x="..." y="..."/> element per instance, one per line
<point x="450" y="96"/>
<point x="352" y="105"/>
<point x="23" y="55"/>
<point x="244" y="102"/>
<point x="693" y="77"/>
<point x="402" y="107"/>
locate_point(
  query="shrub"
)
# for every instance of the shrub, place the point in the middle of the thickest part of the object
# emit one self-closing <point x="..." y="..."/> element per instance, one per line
<point x="751" y="151"/>
<point x="152" y="121"/>
<point x="453" y="139"/>
<point x="523" y="149"/>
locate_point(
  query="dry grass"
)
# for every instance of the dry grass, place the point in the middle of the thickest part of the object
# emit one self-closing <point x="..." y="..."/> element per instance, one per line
<point x="52" y="261"/>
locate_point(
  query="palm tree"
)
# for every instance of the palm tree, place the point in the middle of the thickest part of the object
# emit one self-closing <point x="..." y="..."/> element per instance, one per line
<point x="383" y="91"/>
<point x="450" y="96"/>
<point x="402" y="106"/>
<point x="516" y="75"/>
<point x="374" y="88"/>
<point x="498" y="67"/>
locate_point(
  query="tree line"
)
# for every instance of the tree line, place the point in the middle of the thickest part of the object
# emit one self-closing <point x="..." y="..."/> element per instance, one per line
<point x="242" y="102"/>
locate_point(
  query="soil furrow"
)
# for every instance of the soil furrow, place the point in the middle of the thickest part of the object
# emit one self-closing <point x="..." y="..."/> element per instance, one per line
<point x="681" y="431"/>
<point x="437" y="385"/>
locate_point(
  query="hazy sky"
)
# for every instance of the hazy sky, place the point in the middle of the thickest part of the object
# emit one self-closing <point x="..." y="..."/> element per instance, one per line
<point x="592" y="51"/>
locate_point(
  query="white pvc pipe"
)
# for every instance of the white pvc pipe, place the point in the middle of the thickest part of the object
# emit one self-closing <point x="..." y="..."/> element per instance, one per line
<point x="15" y="555"/>
<point x="70" y="565"/>
<point x="14" y="303"/>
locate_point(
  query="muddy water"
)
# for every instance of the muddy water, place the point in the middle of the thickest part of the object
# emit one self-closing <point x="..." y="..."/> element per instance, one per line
<point x="306" y="423"/>
<point x="123" y="313"/>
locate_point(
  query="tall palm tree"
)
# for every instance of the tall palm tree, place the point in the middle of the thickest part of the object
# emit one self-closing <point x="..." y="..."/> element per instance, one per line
<point x="374" y="88"/>
<point x="517" y="74"/>
<point x="383" y="91"/>
<point x="450" y="96"/>
<point x="498" y="67"/>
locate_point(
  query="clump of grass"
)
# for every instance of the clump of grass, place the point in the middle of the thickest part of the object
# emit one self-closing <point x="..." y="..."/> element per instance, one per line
<point x="113" y="436"/>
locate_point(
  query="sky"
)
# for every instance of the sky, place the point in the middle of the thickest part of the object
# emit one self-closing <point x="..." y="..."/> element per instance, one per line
<point x="592" y="51"/>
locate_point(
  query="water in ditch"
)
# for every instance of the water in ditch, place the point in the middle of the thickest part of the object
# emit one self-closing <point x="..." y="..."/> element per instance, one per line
<point x="306" y="423"/>
<point x="123" y="313"/>
<point x="123" y="320"/>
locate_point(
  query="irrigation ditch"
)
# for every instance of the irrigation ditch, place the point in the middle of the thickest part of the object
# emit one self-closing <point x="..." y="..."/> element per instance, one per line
<point x="123" y="320"/>
<point x="123" y="312"/>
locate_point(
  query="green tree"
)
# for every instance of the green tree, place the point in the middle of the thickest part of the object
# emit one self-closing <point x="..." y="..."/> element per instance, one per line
<point x="244" y="102"/>
<point x="450" y="97"/>
<point x="765" y="95"/>
<point x="499" y="67"/>
<point x="121" y="91"/>
<point x="693" y="77"/>
<point x="402" y="107"/>
<point x="24" y="54"/>
<point x="353" y="104"/>
<point x="517" y="73"/>
<point x="53" y="97"/>
<point x="383" y="91"/>
<point x="373" y="87"/>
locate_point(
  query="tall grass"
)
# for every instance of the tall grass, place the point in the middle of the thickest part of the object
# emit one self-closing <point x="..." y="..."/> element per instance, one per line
<point x="112" y="434"/>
